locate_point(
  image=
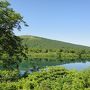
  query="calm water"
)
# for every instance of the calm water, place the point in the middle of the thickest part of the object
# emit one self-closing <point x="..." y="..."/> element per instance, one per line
<point x="78" y="66"/>
<point x="40" y="63"/>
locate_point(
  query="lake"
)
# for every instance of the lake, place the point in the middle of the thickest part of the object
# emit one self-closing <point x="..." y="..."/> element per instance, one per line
<point x="41" y="63"/>
<point x="77" y="66"/>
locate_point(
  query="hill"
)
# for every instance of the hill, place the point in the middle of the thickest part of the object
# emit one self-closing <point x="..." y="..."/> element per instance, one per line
<point x="43" y="43"/>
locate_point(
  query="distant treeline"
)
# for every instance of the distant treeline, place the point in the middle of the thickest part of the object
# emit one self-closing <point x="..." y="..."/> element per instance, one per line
<point x="62" y="53"/>
<point x="38" y="47"/>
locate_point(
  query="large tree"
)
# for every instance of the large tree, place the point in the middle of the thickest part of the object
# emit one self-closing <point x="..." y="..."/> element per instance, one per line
<point x="11" y="49"/>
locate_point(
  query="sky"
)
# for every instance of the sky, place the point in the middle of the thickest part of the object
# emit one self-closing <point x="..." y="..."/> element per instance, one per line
<point x="63" y="20"/>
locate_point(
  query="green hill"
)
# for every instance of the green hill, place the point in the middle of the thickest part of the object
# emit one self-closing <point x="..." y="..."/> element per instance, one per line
<point x="43" y="43"/>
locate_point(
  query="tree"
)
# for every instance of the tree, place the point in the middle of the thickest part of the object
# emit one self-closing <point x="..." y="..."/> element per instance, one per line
<point x="11" y="48"/>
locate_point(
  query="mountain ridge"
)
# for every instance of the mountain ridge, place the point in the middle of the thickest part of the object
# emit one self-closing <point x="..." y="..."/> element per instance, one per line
<point x="41" y="42"/>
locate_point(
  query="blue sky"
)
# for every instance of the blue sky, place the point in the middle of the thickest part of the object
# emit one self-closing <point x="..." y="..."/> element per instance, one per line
<point x="64" y="20"/>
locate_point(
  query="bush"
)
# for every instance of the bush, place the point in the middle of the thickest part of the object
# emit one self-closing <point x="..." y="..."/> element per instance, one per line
<point x="51" y="78"/>
<point x="8" y="75"/>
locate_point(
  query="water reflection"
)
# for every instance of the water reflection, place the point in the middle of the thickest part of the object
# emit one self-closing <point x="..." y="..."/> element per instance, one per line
<point x="37" y="63"/>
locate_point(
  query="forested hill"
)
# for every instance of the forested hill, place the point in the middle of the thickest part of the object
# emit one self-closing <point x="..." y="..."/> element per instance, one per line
<point x="43" y="43"/>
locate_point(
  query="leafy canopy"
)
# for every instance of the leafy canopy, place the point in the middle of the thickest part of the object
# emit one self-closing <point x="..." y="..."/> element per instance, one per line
<point x="11" y="49"/>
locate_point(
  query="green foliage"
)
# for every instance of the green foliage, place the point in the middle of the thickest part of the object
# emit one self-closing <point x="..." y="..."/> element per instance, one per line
<point x="51" y="78"/>
<point x="11" y="49"/>
<point x="42" y="43"/>
<point x="45" y="48"/>
<point x="12" y="52"/>
<point x="8" y="75"/>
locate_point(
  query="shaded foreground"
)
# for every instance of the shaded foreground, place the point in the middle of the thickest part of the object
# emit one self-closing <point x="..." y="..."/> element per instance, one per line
<point x="50" y="78"/>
